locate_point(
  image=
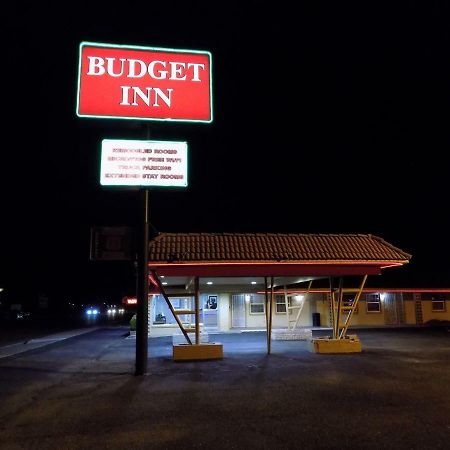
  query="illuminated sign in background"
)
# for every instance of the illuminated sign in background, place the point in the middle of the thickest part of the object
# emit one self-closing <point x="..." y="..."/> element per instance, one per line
<point x="144" y="83"/>
<point x="143" y="163"/>
<point x="112" y="244"/>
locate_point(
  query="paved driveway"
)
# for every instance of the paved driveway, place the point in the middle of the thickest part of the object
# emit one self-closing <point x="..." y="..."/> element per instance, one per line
<point x="80" y="393"/>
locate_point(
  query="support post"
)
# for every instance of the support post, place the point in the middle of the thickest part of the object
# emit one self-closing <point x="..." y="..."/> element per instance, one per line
<point x="269" y="331"/>
<point x="286" y="305"/>
<point x="142" y="291"/>
<point x="266" y="293"/>
<point x="338" y="311"/>
<point x="197" y="310"/>
<point x="333" y="307"/>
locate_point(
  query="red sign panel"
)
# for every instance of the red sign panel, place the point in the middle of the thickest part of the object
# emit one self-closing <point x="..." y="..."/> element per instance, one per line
<point x="144" y="83"/>
<point x="112" y="244"/>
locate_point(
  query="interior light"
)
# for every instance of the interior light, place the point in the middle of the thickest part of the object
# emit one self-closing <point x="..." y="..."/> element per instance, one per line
<point x="164" y="283"/>
<point x="209" y="282"/>
<point x="253" y="282"/>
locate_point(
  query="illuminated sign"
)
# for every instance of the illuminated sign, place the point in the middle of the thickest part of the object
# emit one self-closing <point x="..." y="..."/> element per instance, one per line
<point x="112" y="244"/>
<point x="144" y="83"/>
<point x="143" y="163"/>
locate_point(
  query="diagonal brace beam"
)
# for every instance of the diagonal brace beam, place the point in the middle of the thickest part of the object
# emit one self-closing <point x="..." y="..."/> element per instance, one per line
<point x="355" y="304"/>
<point x="169" y="304"/>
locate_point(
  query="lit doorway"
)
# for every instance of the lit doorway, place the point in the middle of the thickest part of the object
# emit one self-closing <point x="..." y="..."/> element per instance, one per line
<point x="238" y="311"/>
<point x="210" y="310"/>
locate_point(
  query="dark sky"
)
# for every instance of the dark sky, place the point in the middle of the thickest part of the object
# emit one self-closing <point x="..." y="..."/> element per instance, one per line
<point x="329" y="118"/>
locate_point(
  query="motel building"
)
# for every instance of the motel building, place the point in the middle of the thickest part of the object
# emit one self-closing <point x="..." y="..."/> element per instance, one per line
<point x="285" y="284"/>
<point x="224" y="309"/>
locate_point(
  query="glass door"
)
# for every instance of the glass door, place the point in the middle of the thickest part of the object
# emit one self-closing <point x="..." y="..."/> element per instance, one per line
<point x="238" y="311"/>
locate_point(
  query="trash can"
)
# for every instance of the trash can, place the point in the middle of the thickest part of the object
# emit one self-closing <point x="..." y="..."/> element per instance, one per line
<point x="316" y="319"/>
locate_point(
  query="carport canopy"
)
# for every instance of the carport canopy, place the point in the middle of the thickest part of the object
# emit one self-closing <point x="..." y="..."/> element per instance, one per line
<point x="232" y="258"/>
<point x="271" y="254"/>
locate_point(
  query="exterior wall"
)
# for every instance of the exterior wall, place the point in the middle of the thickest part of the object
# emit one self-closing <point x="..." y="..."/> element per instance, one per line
<point x="254" y="320"/>
<point x="318" y="303"/>
<point x="321" y="306"/>
<point x="410" y="312"/>
<point x="428" y="314"/>
<point x="396" y="309"/>
<point x="279" y="320"/>
<point x="363" y="317"/>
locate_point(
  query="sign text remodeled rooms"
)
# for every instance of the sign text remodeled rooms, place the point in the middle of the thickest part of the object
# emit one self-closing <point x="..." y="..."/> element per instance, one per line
<point x="144" y="83"/>
<point x="143" y="163"/>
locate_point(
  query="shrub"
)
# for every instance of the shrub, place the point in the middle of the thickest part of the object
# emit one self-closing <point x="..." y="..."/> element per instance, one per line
<point x="133" y="322"/>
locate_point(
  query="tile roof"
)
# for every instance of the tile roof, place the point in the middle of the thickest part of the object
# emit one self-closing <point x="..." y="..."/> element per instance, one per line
<point x="265" y="247"/>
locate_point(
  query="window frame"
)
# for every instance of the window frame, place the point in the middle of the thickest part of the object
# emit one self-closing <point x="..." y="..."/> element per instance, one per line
<point x="433" y="309"/>
<point x="252" y="303"/>
<point x="373" y="302"/>
<point x="282" y="302"/>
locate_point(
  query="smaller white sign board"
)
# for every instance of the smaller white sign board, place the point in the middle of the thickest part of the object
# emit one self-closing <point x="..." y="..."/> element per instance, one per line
<point x="143" y="163"/>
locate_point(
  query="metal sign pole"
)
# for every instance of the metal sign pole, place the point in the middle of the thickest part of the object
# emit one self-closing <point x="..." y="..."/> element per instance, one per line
<point x="142" y="291"/>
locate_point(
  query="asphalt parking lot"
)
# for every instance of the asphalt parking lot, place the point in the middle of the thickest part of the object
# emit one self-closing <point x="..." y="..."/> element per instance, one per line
<point x="81" y="393"/>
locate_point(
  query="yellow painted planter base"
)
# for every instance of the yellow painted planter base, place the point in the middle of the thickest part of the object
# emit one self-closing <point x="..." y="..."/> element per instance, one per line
<point x="326" y="345"/>
<point x="186" y="352"/>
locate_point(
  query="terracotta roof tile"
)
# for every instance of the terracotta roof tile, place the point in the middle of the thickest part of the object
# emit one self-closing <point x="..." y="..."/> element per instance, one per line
<point x="272" y="247"/>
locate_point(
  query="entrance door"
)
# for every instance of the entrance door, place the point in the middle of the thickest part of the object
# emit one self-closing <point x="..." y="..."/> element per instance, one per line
<point x="238" y="311"/>
<point x="210" y="313"/>
<point x="390" y="309"/>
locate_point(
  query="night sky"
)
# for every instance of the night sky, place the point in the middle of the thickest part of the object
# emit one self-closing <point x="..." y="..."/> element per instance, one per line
<point x="329" y="118"/>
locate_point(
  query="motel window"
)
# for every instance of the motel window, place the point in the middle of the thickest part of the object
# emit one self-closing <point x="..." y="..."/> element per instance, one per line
<point x="257" y="305"/>
<point x="373" y="302"/>
<point x="280" y="304"/>
<point x="347" y="303"/>
<point x="161" y="314"/>
<point x="437" y="305"/>
<point x="437" y="300"/>
<point x="176" y="303"/>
